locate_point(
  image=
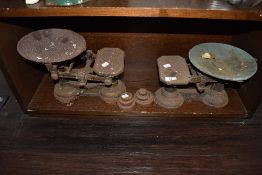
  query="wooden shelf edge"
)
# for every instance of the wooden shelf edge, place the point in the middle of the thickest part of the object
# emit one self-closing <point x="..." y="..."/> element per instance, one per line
<point x="131" y="12"/>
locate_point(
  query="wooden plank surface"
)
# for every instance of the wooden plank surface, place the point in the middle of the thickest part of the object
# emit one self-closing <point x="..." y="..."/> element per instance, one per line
<point x="132" y="146"/>
<point x="207" y="9"/>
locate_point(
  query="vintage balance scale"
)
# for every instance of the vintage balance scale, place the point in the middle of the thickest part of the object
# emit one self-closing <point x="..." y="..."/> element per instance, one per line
<point x="212" y="66"/>
<point x="61" y="50"/>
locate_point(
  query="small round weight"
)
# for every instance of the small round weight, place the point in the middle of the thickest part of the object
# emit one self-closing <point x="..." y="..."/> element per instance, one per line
<point x="144" y="97"/>
<point x="126" y="101"/>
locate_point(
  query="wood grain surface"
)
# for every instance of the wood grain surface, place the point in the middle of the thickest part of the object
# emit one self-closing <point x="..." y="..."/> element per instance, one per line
<point x="207" y="9"/>
<point x="112" y="145"/>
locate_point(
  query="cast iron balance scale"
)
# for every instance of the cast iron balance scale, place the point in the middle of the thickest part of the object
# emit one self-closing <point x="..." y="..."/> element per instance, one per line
<point x="61" y="50"/>
<point x="212" y="65"/>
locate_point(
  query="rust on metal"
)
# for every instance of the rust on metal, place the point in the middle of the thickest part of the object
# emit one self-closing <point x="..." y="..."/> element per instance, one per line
<point x="110" y="94"/>
<point x="223" y="61"/>
<point x="173" y="70"/>
<point x="126" y="101"/>
<point x="51" y="45"/>
<point x="215" y="96"/>
<point x="144" y="97"/>
<point x="66" y="93"/>
<point x="109" y="62"/>
<point x="169" y="97"/>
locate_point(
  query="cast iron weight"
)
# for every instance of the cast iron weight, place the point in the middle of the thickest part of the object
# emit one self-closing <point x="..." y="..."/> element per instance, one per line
<point x="126" y="101"/>
<point x="144" y="97"/>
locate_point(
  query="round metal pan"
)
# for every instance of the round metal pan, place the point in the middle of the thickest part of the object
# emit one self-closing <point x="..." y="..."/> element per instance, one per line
<point x="51" y="45"/>
<point x="223" y="61"/>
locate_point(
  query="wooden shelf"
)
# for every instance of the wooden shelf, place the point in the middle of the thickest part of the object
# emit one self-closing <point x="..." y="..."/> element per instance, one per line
<point x="145" y="30"/>
<point x="200" y="9"/>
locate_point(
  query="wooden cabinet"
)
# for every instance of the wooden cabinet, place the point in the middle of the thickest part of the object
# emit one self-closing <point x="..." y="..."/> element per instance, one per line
<point x="145" y="30"/>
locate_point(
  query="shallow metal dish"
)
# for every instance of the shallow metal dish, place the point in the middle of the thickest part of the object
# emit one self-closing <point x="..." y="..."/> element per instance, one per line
<point x="51" y="45"/>
<point x="226" y="62"/>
